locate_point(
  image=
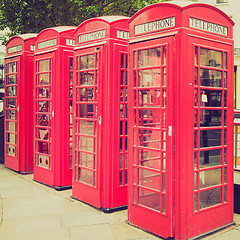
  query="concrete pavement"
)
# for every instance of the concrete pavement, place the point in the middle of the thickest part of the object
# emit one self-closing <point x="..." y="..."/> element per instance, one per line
<point x="32" y="211"/>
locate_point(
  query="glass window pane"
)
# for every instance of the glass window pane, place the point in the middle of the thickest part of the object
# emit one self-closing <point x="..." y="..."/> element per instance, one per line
<point x="12" y="67"/>
<point x="210" y="118"/>
<point x="210" y="98"/>
<point x="11" y="91"/>
<point x="210" y="78"/>
<point x="11" y="126"/>
<point x="11" y="114"/>
<point x="210" y="58"/>
<point x="149" y="199"/>
<point x="150" y="179"/>
<point x="87" y="78"/>
<point x="11" y="79"/>
<point x="149" y="78"/>
<point x="44" y="79"/>
<point x="210" y="178"/>
<point x="210" y="138"/>
<point x="86" y="144"/>
<point x="85" y="176"/>
<point x="149" y="158"/>
<point x="196" y="56"/>
<point x="44" y="65"/>
<point x="149" y="57"/>
<point x="210" y="198"/>
<point x="210" y="158"/>
<point x="43" y="106"/>
<point x="87" y="62"/>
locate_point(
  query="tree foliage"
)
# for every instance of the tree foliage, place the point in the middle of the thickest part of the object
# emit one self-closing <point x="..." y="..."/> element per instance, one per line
<point x="32" y="16"/>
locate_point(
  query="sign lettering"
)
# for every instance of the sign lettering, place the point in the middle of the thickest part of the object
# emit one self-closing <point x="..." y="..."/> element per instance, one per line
<point x="15" y="49"/>
<point x="48" y="43"/>
<point x="208" y="26"/>
<point x="122" y="34"/>
<point x="156" y="25"/>
<point x="91" y="36"/>
<point x="70" y="42"/>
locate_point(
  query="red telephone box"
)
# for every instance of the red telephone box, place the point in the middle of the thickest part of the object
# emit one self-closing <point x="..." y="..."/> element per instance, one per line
<point x="180" y="119"/>
<point x="53" y="73"/>
<point x="19" y="103"/>
<point x="100" y="112"/>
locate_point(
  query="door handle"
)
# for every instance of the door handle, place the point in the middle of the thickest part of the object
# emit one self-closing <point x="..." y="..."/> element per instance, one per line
<point x="99" y="120"/>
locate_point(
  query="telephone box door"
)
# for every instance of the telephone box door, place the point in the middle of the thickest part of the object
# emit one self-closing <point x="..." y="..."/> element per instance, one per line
<point x="151" y="130"/>
<point x="87" y="136"/>
<point x="12" y="112"/>
<point x="213" y="133"/>
<point x="44" y="117"/>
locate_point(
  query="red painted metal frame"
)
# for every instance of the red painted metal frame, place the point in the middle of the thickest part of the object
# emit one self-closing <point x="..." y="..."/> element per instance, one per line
<point x="187" y="220"/>
<point x="53" y="72"/>
<point x="19" y="103"/>
<point x="106" y="186"/>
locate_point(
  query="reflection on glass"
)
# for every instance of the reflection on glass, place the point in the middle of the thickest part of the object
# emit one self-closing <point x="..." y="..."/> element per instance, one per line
<point x="44" y="79"/>
<point x="210" y="138"/>
<point x="196" y="76"/>
<point x="43" y="106"/>
<point x="210" y="98"/>
<point x="149" y="179"/>
<point x="11" y="91"/>
<point x="164" y="55"/>
<point x="86" y="159"/>
<point x="149" y="57"/>
<point x="11" y="126"/>
<point x="87" y="78"/>
<point x="210" y="118"/>
<point x="210" y="78"/>
<point x="86" y="110"/>
<point x="195" y="159"/>
<point x="11" y="79"/>
<point x="43" y="120"/>
<point x="210" y="158"/>
<point x="11" y="138"/>
<point x="225" y="60"/>
<point x="85" y="176"/>
<point x="86" y="127"/>
<point x="43" y="133"/>
<point x="210" y="197"/>
<point x="196" y="56"/>
<point x="43" y="92"/>
<point x="225" y="79"/>
<point x="209" y="57"/>
<point x="150" y="158"/>
<point x="86" y="94"/>
<point x="149" y="97"/>
<point x="195" y="201"/>
<point x="12" y="67"/>
<point x="11" y="114"/>
<point x="122" y="60"/>
<point x="149" y="78"/>
<point x="149" y="138"/>
<point x="44" y="65"/>
<point x="149" y="199"/>
<point x="210" y="178"/>
<point x="87" y="62"/>
<point x="86" y="144"/>
<point x="11" y="103"/>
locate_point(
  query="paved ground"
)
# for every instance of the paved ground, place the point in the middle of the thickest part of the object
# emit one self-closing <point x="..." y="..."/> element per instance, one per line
<point x="32" y="211"/>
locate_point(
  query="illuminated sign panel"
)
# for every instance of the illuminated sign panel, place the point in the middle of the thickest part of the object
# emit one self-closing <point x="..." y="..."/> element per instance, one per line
<point x="91" y="36"/>
<point x="156" y="25"/>
<point x="208" y="26"/>
<point x="15" y="49"/>
<point x="48" y="43"/>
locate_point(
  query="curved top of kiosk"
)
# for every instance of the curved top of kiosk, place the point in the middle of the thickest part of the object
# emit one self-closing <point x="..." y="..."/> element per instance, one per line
<point x="19" y="43"/>
<point x="50" y="37"/>
<point x="100" y="28"/>
<point x="168" y="15"/>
